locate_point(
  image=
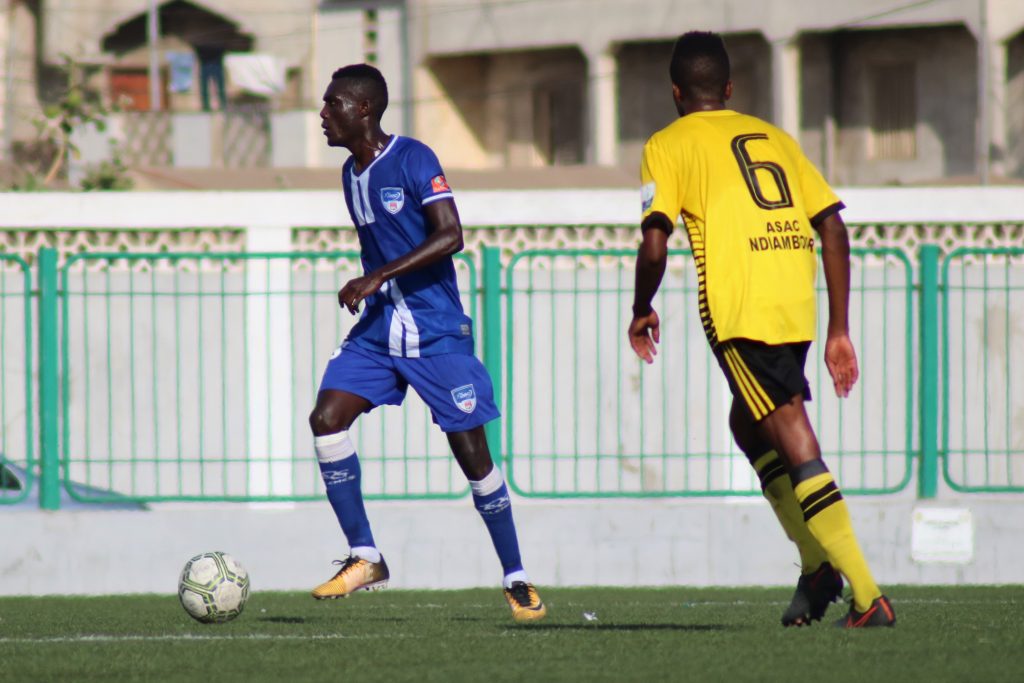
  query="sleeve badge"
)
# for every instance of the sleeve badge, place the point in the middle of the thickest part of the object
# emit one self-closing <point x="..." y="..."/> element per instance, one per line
<point x="439" y="184"/>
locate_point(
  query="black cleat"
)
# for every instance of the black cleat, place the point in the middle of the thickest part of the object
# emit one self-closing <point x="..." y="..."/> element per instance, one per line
<point x="813" y="594"/>
<point x="880" y="613"/>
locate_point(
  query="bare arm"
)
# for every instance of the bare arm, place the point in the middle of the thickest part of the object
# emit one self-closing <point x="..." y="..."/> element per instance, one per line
<point x="445" y="239"/>
<point x="645" y="328"/>
<point x="840" y="356"/>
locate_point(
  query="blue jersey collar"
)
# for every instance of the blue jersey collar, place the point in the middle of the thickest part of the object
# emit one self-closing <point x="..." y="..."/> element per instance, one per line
<point x="394" y="139"/>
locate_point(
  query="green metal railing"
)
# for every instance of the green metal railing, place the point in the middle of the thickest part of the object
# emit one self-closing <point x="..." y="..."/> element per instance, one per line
<point x="868" y="438"/>
<point x="982" y="292"/>
<point x="17" y="438"/>
<point x="188" y="376"/>
<point x="174" y="386"/>
<point x="663" y="430"/>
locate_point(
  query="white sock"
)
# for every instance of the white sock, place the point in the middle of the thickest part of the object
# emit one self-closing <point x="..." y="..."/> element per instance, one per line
<point x="513" y="577"/>
<point x="489" y="484"/>
<point x="333" y="447"/>
<point x="366" y="552"/>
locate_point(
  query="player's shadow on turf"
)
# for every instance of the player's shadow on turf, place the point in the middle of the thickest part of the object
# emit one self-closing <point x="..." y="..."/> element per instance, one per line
<point x="303" y="620"/>
<point x="631" y="627"/>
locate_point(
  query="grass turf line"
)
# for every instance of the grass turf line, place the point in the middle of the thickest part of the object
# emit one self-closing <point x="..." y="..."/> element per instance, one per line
<point x="640" y="634"/>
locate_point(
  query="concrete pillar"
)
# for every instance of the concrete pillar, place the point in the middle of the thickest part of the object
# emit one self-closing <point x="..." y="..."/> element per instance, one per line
<point x="983" y="116"/>
<point x="7" y="38"/>
<point x="997" y="103"/>
<point x="786" y="85"/>
<point x="603" y="109"/>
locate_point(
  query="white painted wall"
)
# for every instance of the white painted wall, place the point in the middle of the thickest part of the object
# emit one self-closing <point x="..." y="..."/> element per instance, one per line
<point x="725" y="542"/>
<point x="326" y="208"/>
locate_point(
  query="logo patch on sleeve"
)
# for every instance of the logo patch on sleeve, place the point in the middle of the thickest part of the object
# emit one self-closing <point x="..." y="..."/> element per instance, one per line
<point x="439" y="184"/>
<point x="465" y="398"/>
<point x="393" y="199"/>
<point x="647" y="196"/>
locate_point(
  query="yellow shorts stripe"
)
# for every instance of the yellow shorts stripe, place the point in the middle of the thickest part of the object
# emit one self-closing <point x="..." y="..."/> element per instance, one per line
<point x="753" y="380"/>
<point x="757" y="409"/>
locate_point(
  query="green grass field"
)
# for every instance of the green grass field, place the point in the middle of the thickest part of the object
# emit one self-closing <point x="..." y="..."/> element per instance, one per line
<point x="943" y="634"/>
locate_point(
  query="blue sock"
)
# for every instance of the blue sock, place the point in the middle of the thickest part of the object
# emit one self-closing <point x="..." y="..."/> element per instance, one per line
<point x="490" y="496"/>
<point x="339" y="467"/>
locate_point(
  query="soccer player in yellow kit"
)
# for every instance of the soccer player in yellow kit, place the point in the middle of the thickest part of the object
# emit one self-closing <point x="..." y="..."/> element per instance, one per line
<point x="752" y="203"/>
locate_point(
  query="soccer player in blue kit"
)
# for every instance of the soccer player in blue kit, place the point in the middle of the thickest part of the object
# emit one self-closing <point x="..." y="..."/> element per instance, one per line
<point x="412" y="331"/>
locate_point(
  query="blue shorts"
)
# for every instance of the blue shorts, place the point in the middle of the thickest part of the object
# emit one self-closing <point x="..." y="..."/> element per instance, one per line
<point x="455" y="386"/>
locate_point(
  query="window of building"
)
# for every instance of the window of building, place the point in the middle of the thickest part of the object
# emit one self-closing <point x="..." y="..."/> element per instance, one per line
<point x="893" y="109"/>
<point x="558" y="122"/>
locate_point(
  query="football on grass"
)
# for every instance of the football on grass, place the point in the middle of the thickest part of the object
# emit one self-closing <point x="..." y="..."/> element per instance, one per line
<point x="213" y="587"/>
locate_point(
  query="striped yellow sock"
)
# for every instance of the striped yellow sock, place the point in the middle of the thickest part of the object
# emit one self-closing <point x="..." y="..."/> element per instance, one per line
<point x="829" y="520"/>
<point x="779" y="492"/>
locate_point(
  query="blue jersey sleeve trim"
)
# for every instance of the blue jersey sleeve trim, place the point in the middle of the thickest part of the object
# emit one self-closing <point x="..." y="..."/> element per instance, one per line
<point x="434" y="197"/>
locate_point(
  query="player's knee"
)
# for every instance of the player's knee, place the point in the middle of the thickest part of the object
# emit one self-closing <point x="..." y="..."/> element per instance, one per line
<point x="327" y="420"/>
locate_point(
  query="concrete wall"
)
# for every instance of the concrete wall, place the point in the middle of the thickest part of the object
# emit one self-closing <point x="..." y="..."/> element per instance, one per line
<point x="445" y="545"/>
<point x="522" y="109"/>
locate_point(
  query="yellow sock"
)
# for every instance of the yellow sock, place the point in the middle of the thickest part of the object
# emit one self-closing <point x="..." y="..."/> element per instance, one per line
<point x="779" y="492"/>
<point x="829" y="520"/>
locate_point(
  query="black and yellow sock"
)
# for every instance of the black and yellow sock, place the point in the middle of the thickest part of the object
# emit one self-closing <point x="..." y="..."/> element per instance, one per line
<point x="779" y="491"/>
<point x="829" y="520"/>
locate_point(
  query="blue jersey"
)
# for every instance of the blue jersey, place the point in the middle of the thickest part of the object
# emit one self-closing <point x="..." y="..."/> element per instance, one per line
<point x="419" y="313"/>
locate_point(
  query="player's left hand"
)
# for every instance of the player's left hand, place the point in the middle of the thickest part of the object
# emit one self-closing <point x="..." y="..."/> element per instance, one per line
<point x="841" y="361"/>
<point x="356" y="290"/>
<point x="644" y="332"/>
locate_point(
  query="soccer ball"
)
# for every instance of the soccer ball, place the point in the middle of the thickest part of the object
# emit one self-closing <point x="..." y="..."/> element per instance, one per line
<point x="213" y="587"/>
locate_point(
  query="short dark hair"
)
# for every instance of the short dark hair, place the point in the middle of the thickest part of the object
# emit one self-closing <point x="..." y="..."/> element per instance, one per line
<point x="700" y="65"/>
<point x="368" y="82"/>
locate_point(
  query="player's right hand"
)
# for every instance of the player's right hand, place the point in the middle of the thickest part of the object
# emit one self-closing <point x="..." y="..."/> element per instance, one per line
<point x="644" y="333"/>
<point x="357" y="289"/>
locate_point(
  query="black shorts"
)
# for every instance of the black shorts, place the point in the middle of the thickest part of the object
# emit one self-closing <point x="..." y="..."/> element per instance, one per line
<point x="764" y="376"/>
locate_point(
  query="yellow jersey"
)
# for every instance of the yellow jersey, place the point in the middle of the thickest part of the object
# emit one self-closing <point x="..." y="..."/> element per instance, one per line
<point x="749" y="198"/>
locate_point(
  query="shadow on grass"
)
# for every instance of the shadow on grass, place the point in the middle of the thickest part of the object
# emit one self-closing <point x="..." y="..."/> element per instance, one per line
<point x="629" y="627"/>
<point x="304" y="620"/>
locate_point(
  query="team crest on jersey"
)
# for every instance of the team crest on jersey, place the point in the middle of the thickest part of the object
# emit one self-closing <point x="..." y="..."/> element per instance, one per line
<point x="465" y="398"/>
<point x="647" y="196"/>
<point x="439" y="184"/>
<point x="393" y="199"/>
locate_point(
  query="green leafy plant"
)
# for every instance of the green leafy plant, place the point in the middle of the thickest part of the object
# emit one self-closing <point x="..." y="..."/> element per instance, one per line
<point x="78" y="106"/>
<point x="109" y="174"/>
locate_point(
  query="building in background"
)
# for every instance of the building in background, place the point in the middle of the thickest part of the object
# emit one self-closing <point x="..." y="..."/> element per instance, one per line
<point x="877" y="91"/>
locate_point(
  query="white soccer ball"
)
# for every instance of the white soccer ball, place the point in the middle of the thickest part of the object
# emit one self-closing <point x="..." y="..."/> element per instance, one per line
<point x="213" y="587"/>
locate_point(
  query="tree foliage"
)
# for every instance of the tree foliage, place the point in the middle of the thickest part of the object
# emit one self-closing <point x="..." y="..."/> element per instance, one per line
<point x="78" y="107"/>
